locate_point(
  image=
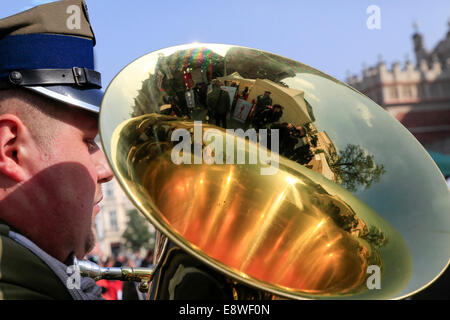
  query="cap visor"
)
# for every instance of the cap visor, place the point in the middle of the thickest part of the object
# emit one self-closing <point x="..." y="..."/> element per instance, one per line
<point x="87" y="99"/>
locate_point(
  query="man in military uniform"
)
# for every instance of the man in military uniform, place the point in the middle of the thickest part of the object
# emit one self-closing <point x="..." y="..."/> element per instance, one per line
<point x="263" y="101"/>
<point x="50" y="167"/>
<point x="218" y="101"/>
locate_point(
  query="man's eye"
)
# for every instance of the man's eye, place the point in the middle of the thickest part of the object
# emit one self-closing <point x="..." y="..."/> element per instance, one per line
<point x="92" y="146"/>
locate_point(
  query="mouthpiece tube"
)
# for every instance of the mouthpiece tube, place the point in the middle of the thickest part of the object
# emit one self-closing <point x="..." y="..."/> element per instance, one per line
<point x="94" y="271"/>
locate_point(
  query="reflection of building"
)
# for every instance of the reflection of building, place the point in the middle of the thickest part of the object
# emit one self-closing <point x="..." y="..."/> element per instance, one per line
<point x="416" y="95"/>
<point x="319" y="164"/>
<point x="321" y="152"/>
<point x="324" y="142"/>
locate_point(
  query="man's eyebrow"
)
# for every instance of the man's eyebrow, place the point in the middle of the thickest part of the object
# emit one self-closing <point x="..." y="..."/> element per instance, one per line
<point x="90" y="131"/>
<point x="92" y="124"/>
<point x="93" y="130"/>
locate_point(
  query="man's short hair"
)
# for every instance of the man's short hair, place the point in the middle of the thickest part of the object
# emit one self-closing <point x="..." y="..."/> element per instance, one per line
<point x="37" y="112"/>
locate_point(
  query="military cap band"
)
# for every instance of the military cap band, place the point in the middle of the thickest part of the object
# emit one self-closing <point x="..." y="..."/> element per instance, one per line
<point x="81" y="77"/>
<point x="45" y="51"/>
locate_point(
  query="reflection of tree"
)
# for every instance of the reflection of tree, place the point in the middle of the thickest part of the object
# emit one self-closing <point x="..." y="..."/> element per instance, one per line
<point x="353" y="167"/>
<point x="346" y="220"/>
<point x="376" y="237"/>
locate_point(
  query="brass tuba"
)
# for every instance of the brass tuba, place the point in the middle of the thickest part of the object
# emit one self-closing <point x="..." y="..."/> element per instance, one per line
<point x="266" y="178"/>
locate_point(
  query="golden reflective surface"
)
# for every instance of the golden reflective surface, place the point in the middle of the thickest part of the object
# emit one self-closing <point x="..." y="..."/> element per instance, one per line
<point x="293" y="230"/>
<point x="353" y="187"/>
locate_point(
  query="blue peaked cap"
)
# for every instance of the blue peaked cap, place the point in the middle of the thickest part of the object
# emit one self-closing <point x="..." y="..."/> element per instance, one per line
<point x="38" y="51"/>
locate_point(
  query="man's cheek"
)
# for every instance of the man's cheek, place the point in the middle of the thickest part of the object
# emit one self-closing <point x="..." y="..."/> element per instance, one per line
<point x="76" y="187"/>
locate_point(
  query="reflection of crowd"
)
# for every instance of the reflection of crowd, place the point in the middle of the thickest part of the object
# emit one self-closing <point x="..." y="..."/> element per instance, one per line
<point x="267" y="116"/>
<point x="122" y="290"/>
<point x="208" y="98"/>
<point x="264" y="116"/>
<point x="215" y="102"/>
<point x="172" y="107"/>
<point x="291" y="145"/>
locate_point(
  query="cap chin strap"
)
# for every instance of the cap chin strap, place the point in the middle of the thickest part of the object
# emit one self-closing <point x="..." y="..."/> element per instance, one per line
<point x="80" y="77"/>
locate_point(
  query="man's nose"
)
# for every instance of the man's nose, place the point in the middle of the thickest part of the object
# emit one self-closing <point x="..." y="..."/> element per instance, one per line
<point x="104" y="171"/>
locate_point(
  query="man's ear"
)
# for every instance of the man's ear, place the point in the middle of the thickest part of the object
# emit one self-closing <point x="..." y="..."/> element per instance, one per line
<point x="11" y="147"/>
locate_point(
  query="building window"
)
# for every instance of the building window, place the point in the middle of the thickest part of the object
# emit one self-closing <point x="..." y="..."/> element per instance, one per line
<point x="113" y="220"/>
<point x="446" y="88"/>
<point x="109" y="190"/>
<point x="407" y="93"/>
<point x="427" y="92"/>
<point x="434" y="90"/>
<point x="379" y="98"/>
<point x="115" y="249"/>
<point x="393" y="92"/>
<point x="443" y="89"/>
<point x="422" y="93"/>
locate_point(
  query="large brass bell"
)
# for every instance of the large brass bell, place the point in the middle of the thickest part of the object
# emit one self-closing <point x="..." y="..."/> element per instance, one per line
<point x="354" y="195"/>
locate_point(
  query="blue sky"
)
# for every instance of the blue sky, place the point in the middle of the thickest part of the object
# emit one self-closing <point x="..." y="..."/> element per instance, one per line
<point x="331" y="36"/>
